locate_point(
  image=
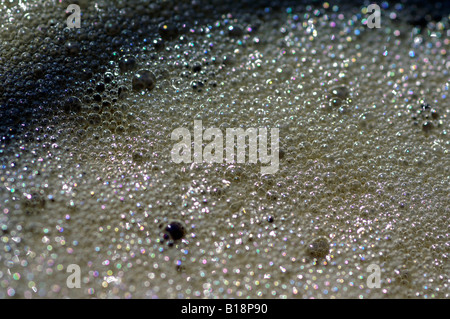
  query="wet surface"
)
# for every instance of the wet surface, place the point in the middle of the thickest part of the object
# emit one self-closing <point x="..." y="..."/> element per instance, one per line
<point x="87" y="175"/>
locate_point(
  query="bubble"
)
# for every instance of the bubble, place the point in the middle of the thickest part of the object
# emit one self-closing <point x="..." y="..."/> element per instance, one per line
<point x="427" y="126"/>
<point x="341" y="92"/>
<point x="112" y="28"/>
<point x="272" y="195"/>
<point x="72" y="47"/>
<point x="72" y="103"/>
<point x="434" y="114"/>
<point x="100" y="87"/>
<point x="34" y="203"/>
<point x="94" y="119"/>
<point x="127" y="63"/>
<point x="319" y="247"/>
<point x="168" y="30"/>
<point x="158" y="43"/>
<point x="197" y="67"/>
<point x="97" y="97"/>
<point x="335" y="103"/>
<point x="197" y="85"/>
<point x="108" y="77"/>
<point x="140" y="155"/>
<point x="175" y="230"/>
<point x="144" y="79"/>
<point x="122" y="92"/>
<point x="235" y="30"/>
<point x="229" y="59"/>
<point x="120" y="129"/>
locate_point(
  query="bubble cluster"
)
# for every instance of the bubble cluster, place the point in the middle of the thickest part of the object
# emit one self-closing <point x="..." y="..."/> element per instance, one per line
<point x="87" y="177"/>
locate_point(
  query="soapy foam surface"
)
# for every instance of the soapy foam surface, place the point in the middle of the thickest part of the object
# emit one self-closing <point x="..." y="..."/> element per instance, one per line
<point x="87" y="176"/>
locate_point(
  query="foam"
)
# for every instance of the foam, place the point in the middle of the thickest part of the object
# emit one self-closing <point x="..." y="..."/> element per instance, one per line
<point x="87" y="176"/>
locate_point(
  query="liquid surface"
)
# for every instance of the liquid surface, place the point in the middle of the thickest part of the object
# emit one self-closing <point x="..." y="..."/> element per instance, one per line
<point x="87" y="175"/>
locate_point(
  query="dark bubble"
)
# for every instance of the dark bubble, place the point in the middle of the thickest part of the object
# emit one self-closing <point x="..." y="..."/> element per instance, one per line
<point x="94" y="119"/>
<point x="140" y="155"/>
<point x="168" y="31"/>
<point x="144" y="79"/>
<point x="108" y="77"/>
<point x="86" y="74"/>
<point x="176" y="230"/>
<point x="38" y="69"/>
<point x="235" y="31"/>
<point x="122" y="92"/>
<point x="34" y="201"/>
<point x="72" y="103"/>
<point x="197" y="85"/>
<point x="229" y="59"/>
<point x="434" y="114"/>
<point x="427" y="126"/>
<point x="335" y="102"/>
<point x="197" y="67"/>
<point x="340" y="92"/>
<point x="319" y="247"/>
<point x="112" y="28"/>
<point x="272" y="195"/>
<point x="97" y="97"/>
<point x="100" y="87"/>
<point x="127" y="63"/>
<point x="72" y="47"/>
<point x="158" y="43"/>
